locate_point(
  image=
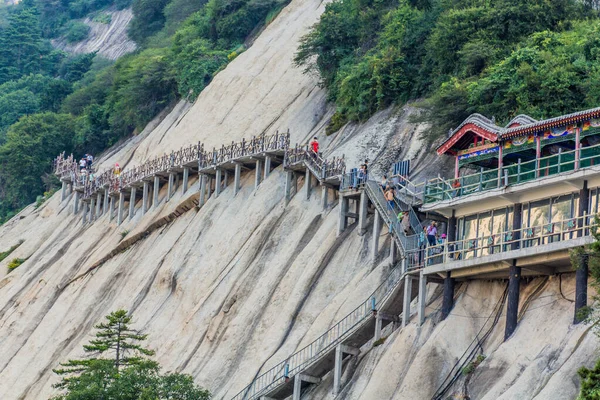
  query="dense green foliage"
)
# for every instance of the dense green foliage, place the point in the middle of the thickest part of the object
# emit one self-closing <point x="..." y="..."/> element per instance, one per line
<point x="52" y="102"/>
<point x="590" y="383"/>
<point x="590" y="378"/>
<point x="118" y="367"/>
<point x="77" y="31"/>
<point x="499" y="57"/>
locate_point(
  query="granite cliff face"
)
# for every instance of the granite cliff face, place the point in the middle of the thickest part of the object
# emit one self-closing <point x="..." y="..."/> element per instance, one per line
<point x="109" y="40"/>
<point x="231" y="289"/>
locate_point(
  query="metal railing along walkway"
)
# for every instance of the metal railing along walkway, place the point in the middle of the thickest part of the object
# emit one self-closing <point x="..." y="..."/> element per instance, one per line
<point x="322" y="168"/>
<point x="510" y="240"/>
<point x="342" y="331"/>
<point x="439" y="189"/>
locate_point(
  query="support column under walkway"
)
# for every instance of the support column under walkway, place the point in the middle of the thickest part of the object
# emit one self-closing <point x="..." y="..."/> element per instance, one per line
<point x="132" y="202"/>
<point x="581" y="274"/>
<point x="186" y="178"/>
<point x="448" y="296"/>
<point x="76" y="203"/>
<point x="512" y="305"/>
<point x="236" y="178"/>
<point x="298" y="379"/>
<point x="145" y="197"/>
<point x="343" y="220"/>
<point x="376" y="233"/>
<point x="340" y="350"/>
<point x="156" y="191"/>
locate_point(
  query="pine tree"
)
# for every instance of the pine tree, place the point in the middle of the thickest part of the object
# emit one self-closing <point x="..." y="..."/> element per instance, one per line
<point x="114" y="336"/>
<point x="118" y="369"/>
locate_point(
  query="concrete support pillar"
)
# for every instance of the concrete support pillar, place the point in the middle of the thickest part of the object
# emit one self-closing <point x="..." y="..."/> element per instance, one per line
<point x="92" y="209"/>
<point x="393" y="252"/>
<point x="295" y="182"/>
<point x="257" y="173"/>
<point x="581" y="275"/>
<point x="171" y="186"/>
<point x="422" y="297"/>
<point x="186" y="178"/>
<point x="448" y="296"/>
<point x="98" y="205"/>
<point x="362" y="213"/>
<point x="584" y="200"/>
<point x="218" y="182"/>
<point x="202" y="190"/>
<point x="581" y="284"/>
<point x="105" y="202"/>
<point x="145" y="197"/>
<point x="407" y="297"/>
<point x="267" y="166"/>
<point x="156" y="191"/>
<point x="288" y="185"/>
<point x="132" y="202"/>
<point x="324" y="196"/>
<point x="237" y="176"/>
<point x="340" y="350"/>
<point x="121" y="207"/>
<point x="307" y="183"/>
<point x="512" y="306"/>
<point x="376" y="232"/>
<point x="298" y="379"/>
<point x="451" y="233"/>
<point x="85" y="213"/>
<point x="111" y="211"/>
<point x="343" y="222"/>
<point x="378" y="324"/>
<point x="63" y="193"/>
<point x="517" y="218"/>
<point x="226" y="179"/>
<point x="76" y="203"/>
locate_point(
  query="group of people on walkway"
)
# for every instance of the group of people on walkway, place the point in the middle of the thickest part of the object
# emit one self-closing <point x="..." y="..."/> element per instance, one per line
<point x="429" y="237"/>
<point x="85" y="168"/>
<point x="85" y="163"/>
<point x="359" y="175"/>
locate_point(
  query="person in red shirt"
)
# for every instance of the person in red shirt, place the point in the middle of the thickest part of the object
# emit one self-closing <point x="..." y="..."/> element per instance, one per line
<point x="314" y="145"/>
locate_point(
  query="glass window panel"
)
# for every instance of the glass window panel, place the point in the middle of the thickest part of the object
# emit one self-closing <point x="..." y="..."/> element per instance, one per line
<point x="525" y="216"/>
<point x="499" y="221"/>
<point x="509" y="218"/>
<point x="539" y="213"/>
<point x="485" y="231"/>
<point x="562" y="208"/>
<point x="593" y="208"/>
<point x="470" y="229"/>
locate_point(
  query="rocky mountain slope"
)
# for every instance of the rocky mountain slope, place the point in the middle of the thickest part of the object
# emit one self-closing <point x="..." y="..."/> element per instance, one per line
<point x="234" y="287"/>
<point x="109" y="40"/>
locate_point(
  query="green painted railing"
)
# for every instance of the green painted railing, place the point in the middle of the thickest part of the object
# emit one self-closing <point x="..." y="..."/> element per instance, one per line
<point x="440" y="189"/>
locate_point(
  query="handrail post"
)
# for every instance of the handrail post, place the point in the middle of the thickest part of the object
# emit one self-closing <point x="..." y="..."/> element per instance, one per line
<point x="445" y="253"/>
<point x="480" y="178"/>
<point x="559" y="159"/>
<point x="519" y="171"/>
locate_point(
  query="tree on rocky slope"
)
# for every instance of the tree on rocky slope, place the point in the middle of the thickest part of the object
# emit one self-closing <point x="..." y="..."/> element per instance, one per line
<point x="119" y="369"/>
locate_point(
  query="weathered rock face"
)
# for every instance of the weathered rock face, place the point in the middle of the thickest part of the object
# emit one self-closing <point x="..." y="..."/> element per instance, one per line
<point x="109" y="40"/>
<point x="235" y="287"/>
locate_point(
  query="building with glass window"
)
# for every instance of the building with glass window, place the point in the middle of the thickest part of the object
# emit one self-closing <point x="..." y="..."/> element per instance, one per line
<point x="519" y="199"/>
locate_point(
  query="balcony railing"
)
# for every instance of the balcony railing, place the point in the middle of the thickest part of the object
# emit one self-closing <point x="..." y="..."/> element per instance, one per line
<point x="440" y="189"/>
<point x="510" y="240"/>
